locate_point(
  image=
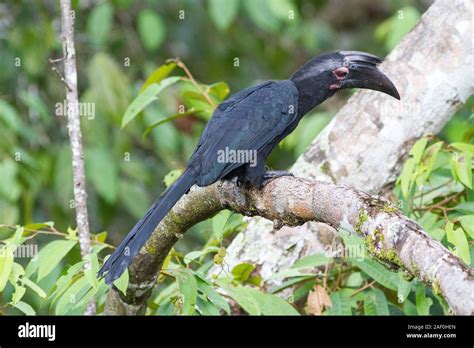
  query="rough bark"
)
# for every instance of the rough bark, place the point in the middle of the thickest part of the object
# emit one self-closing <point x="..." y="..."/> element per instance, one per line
<point x="366" y="143"/>
<point x="75" y="135"/>
<point x="389" y="235"/>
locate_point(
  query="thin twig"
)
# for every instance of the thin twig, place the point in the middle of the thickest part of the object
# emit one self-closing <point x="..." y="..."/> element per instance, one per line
<point x="57" y="60"/>
<point x="367" y="285"/>
<point x="181" y="65"/>
<point x="439" y="205"/>
<point x="433" y="189"/>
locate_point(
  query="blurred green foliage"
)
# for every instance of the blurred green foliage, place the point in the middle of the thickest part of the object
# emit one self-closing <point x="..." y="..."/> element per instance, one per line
<point x="119" y="44"/>
<point x="130" y="147"/>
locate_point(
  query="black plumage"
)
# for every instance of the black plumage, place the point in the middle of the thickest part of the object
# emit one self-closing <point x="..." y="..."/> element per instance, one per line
<point x="254" y="119"/>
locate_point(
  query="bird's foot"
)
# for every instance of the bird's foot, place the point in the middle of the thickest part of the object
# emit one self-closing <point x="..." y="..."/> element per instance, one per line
<point x="240" y="181"/>
<point x="274" y="174"/>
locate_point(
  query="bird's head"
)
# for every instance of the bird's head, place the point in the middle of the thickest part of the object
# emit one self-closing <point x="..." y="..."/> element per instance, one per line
<point x="339" y="70"/>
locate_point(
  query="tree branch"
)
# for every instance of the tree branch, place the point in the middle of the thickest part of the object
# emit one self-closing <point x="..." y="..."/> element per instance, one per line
<point x="75" y="135"/>
<point x="390" y="236"/>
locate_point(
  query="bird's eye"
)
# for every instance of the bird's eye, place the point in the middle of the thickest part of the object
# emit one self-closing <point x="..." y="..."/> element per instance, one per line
<point x="341" y="72"/>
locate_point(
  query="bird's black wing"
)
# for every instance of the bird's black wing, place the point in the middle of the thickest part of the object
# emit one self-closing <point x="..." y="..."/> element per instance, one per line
<point x="248" y="120"/>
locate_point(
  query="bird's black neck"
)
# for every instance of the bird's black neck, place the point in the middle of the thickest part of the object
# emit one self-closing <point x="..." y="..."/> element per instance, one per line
<point x="312" y="90"/>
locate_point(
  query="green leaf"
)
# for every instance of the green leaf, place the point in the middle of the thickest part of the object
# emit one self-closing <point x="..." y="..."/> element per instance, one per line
<point x="303" y="267"/>
<point x="158" y="75"/>
<point x="354" y="280"/>
<point x="222" y="13"/>
<point x="16" y="273"/>
<point x="99" y="23"/>
<point x="205" y="307"/>
<point x="242" y="271"/>
<point x="437" y="233"/>
<point x="409" y="308"/>
<point x="467" y="222"/>
<point x="378" y="272"/>
<point x="33" y="287"/>
<point x="429" y="159"/>
<point x="404" y="288"/>
<point x="72" y="296"/>
<point x="418" y="149"/>
<point x="255" y="302"/>
<point x="6" y="265"/>
<point x="71" y="233"/>
<point x="449" y="232"/>
<point x="375" y="303"/>
<point x="341" y="304"/>
<point x="172" y="176"/>
<point x="410" y="170"/>
<point x="212" y="295"/>
<point x="271" y="304"/>
<point x="220" y="90"/>
<point x="88" y="297"/>
<point x="15" y="240"/>
<point x="50" y="256"/>
<point x="25" y="308"/>
<point x="287" y="283"/>
<point x="219" y="223"/>
<point x="145" y="98"/>
<point x="151" y="29"/>
<point x="465" y="207"/>
<point x="465" y="147"/>
<point x="423" y="303"/>
<point x="463" y="167"/>
<point x="406" y="177"/>
<point x="428" y="220"/>
<point x="188" y="291"/>
<point x="101" y="168"/>
<point x="122" y="282"/>
<point x="18" y="294"/>
<point x="168" y="119"/>
<point x="459" y="240"/>
<point x="39" y="225"/>
<point x="243" y="296"/>
<point x="315" y="260"/>
<point x="63" y="281"/>
<point x="193" y="255"/>
<point x="91" y="273"/>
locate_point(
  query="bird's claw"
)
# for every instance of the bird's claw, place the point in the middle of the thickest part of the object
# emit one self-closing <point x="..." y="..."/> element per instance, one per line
<point x="274" y="174"/>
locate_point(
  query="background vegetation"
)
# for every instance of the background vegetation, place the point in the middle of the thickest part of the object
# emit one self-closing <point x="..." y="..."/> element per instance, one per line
<point x="131" y="156"/>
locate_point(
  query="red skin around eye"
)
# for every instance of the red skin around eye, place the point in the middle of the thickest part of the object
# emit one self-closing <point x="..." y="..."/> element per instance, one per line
<point x="341" y="73"/>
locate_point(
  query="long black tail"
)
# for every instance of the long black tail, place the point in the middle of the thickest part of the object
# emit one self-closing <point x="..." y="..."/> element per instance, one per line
<point x="137" y="237"/>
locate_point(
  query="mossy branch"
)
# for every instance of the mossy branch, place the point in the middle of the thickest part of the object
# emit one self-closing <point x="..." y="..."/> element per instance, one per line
<point x="390" y="236"/>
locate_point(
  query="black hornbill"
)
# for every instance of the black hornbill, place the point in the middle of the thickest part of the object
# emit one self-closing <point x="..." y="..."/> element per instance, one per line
<point x="254" y="119"/>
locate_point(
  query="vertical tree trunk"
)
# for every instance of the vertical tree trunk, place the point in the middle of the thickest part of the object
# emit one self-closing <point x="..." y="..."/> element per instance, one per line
<point x="74" y="129"/>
